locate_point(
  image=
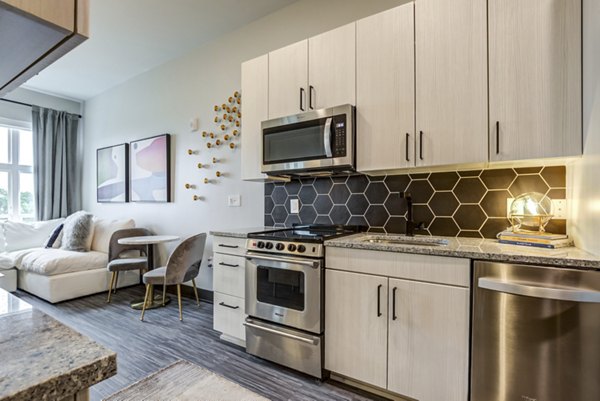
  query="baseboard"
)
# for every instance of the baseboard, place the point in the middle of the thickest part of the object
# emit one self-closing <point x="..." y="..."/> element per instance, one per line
<point x="368" y="388"/>
<point x="188" y="292"/>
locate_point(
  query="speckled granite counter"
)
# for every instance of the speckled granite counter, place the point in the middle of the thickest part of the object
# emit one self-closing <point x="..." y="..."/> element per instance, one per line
<point x="42" y="359"/>
<point x="239" y="232"/>
<point x="481" y="249"/>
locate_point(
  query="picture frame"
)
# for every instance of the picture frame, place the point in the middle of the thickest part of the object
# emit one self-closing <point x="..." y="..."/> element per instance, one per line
<point x="112" y="174"/>
<point x="150" y="169"/>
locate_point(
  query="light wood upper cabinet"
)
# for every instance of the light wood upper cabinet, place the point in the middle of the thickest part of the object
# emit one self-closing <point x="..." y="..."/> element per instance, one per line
<point x="535" y="79"/>
<point x="332" y="68"/>
<point x="428" y="357"/>
<point x="288" y="80"/>
<point x="355" y="333"/>
<point x="255" y="88"/>
<point x="385" y="88"/>
<point x="451" y="82"/>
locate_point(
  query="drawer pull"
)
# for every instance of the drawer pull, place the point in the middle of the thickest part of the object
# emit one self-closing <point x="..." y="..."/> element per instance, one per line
<point x="227" y="264"/>
<point x="394" y="317"/>
<point x="228" y="246"/>
<point x="228" y="306"/>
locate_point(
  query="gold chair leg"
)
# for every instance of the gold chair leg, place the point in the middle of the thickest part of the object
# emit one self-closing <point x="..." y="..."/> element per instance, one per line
<point x="116" y="282"/>
<point x="196" y="292"/>
<point x="145" y="301"/>
<point x="179" y="301"/>
<point x="110" y="286"/>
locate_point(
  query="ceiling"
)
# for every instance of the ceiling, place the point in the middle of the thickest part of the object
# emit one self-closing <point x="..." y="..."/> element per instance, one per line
<point x="128" y="37"/>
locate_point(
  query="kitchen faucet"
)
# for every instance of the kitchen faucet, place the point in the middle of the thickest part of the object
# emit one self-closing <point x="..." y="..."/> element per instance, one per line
<point x="411" y="226"/>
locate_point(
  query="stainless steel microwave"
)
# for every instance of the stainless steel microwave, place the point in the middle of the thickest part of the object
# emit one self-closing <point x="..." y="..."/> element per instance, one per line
<point x="312" y="143"/>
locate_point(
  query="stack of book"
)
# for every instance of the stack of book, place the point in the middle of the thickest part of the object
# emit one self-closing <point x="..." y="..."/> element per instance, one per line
<point x="535" y="239"/>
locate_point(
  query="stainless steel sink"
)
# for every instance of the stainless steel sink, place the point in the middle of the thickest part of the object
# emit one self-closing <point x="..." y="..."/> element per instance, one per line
<point x="405" y="240"/>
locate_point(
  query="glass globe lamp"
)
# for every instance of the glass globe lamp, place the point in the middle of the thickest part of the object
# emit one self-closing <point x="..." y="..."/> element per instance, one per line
<point x="530" y="211"/>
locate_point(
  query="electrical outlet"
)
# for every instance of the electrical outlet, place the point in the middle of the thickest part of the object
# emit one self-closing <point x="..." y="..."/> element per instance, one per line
<point x="559" y="208"/>
<point x="294" y="206"/>
<point x="194" y="124"/>
<point x="234" y="200"/>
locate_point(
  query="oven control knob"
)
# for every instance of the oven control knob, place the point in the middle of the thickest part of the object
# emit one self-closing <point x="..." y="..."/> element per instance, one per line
<point x="301" y="248"/>
<point x="260" y="245"/>
<point x="280" y="247"/>
<point x="291" y="247"/>
<point x="269" y="245"/>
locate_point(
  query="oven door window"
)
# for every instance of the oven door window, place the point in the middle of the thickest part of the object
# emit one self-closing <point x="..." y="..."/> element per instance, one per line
<point x="279" y="287"/>
<point x="295" y="142"/>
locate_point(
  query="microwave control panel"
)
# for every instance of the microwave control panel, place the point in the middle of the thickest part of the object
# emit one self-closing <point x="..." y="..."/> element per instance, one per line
<point x="339" y="135"/>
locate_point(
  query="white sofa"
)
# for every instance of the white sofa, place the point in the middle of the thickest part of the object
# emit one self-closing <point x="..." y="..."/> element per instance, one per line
<point x="55" y="274"/>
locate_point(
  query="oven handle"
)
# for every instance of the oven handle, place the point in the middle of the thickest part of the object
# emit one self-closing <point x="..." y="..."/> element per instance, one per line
<point x="327" y="137"/>
<point x="281" y="333"/>
<point x="558" y="294"/>
<point x="312" y="263"/>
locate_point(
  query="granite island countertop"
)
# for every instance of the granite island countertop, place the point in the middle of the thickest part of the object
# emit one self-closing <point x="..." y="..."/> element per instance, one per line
<point x="239" y="232"/>
<point x="42" y="359"/>
<point x="480" y="249"/>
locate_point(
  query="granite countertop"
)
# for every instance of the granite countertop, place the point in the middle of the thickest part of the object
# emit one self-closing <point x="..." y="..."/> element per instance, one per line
<point x="238" y="232"/>
<point x="42" y="359"/>
<point x="481" y="249"/>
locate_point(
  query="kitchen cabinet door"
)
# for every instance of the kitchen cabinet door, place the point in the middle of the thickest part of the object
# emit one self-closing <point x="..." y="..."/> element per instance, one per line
<point x="355" y="328"/>
<point x="385" y="90"/>
<point x="255" y="90"/>
<point x="535" y="79"/>
<point x="451" y="82"/>
<point x="332" y="68"/>
<point x="288" y="77"/>
<point x="428" y="341"/>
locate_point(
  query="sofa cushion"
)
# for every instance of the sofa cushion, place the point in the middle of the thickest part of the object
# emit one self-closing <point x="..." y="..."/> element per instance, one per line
<point x="20" y="235"/>
<point x="50" y="262"/>
<point x="104" y="229"/>
<point x="78" y="231"/>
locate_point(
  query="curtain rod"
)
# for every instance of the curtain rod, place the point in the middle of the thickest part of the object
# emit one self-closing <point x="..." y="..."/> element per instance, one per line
<point x="26" y="104"/>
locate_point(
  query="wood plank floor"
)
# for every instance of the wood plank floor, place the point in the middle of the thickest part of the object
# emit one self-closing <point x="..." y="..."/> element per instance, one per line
<point x="144" y="347"/>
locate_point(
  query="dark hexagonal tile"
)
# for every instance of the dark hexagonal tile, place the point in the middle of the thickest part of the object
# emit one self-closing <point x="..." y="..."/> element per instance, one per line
<point x="469" y="234"/>
<point x="376" y="178"/>
<point x="357" y="204"/>
<point x="323" y="204"/>
<point x="293" y="187"/>
<point x="279" y="214"/>
<point x="308" y="181"/>
<point x="469" y="190"/>
<point x="493" y="226"/>
<point x="323" y="185"/>
<point x="269" y="220"/>
<point x="377" y="192"/>
<point x="279" y="195"/>
<point x="377" y="215"/>
<point x="339" y="179"/>
<point x="494" y="203"/>
<point x="269" y="186"/>
<point x="422" y="214"/>
<point x="498" y="179"/>
<point x="395" y="225"/>
<point x="397" y="183"/>
<point x="444" y="181"/>
<point x="269" y="205"/>
<point x="557" y="193"/>
<point x="443" y="203"/>
<point x="528" y="183"/>
<point x="357" y="183"/>
<point x="419" y="176"/>
<point x="377" y="230"/>
<point x="420" y="191"/>
<point x="307" y="214"/>
<point x="469" y="217"/>
<point x="395" y="205"/>
<point x="444" y="226"/>
<point x="556" y="226"/>
<point x="339" y="194"/>
<point x="528" y="170"/>
<point x="323" y="220"/>
<point x="470" y="173"/>
<point x="292" y="219"/>
<point x="307" y="195"/>
<point x="555" y="176"/>
<point x="339" y="214"/>
<point x="358" y="221"/>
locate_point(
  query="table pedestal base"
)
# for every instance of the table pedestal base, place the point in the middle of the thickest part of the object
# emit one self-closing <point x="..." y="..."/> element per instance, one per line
<point x="156" y="302"/>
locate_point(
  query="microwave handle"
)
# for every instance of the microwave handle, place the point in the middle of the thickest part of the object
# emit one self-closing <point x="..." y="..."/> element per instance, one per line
<point x="327" y="137"/>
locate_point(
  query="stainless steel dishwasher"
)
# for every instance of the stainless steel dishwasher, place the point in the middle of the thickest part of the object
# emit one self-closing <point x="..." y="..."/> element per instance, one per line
<point x="536" y="333"/>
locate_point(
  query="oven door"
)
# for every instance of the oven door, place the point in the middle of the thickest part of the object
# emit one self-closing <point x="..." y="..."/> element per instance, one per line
<point x="285" y="290"/>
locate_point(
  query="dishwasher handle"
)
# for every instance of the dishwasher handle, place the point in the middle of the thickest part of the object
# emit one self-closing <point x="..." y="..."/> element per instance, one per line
<point x="557" y="294"/>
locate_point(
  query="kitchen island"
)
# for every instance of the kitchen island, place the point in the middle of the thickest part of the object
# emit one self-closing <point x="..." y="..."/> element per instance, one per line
<point x="42" y="359"/>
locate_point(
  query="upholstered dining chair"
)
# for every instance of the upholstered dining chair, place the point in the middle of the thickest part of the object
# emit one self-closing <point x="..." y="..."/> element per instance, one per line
<point x="119" y="261"/>
<point x="182" y="266"/>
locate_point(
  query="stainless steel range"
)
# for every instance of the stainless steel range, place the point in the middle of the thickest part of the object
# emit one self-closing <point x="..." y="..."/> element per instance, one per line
<point x="285" y="292"/>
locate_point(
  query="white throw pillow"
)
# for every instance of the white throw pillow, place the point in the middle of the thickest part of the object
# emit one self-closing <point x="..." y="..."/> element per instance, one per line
<point x="104" y="229"/>
<point x="20" y="235"/>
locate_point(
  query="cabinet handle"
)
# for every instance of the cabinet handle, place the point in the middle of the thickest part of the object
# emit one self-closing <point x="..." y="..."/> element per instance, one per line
<point x="421" y="145"/>
<point x="379" y="299"/>
<point x="227" y="264"/>
<point x="497" y="137"/>
<point x="302" y="99"/>
<point x="228" y="246"/>
<point x="310" y="101"/>
<point x="407" y="139"/>
<point x="228" y="306"/>
<point x="394" y="317"/>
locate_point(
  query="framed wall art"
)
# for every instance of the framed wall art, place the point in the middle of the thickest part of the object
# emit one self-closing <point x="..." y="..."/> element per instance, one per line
<point x="112" y="170"/>
<point x="150" y="169"/>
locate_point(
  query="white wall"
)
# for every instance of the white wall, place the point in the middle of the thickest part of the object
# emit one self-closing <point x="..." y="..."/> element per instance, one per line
<point x="23" y="113"/>
<point x="584" y="175"/>
<point x="164" y="99"/>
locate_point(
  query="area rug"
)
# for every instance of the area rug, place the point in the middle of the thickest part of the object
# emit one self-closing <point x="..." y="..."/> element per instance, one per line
<point x="184" y="381"/>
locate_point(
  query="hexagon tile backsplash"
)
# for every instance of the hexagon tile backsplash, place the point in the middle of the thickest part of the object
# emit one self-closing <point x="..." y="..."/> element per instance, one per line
<point x="463" y="203"/>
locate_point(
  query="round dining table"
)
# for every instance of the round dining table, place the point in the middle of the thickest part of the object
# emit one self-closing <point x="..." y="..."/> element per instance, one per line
<point x="150" y="241"/>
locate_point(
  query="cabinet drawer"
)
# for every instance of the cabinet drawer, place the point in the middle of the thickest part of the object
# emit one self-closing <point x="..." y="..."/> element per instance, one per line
<point x="229" y="315"/>
<point x="228" y="245"/>
<point x="228" y="274"/>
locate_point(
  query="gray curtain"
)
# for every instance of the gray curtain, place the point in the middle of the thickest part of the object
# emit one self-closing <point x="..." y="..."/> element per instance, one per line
<point x="57" y="163"/>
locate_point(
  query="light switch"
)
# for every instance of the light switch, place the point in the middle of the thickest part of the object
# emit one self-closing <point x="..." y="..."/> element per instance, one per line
<point x="234" y="200"/>
<point x="294" y="206"/>
<point x="194" y="124"/>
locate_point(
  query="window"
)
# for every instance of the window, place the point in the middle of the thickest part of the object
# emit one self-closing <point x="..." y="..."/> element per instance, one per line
<point x="16" y="173"/>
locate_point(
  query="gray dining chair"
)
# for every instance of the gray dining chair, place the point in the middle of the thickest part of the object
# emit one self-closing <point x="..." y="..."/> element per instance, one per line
<point x="182" y="266"/>
<point x="119" y="258"/>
